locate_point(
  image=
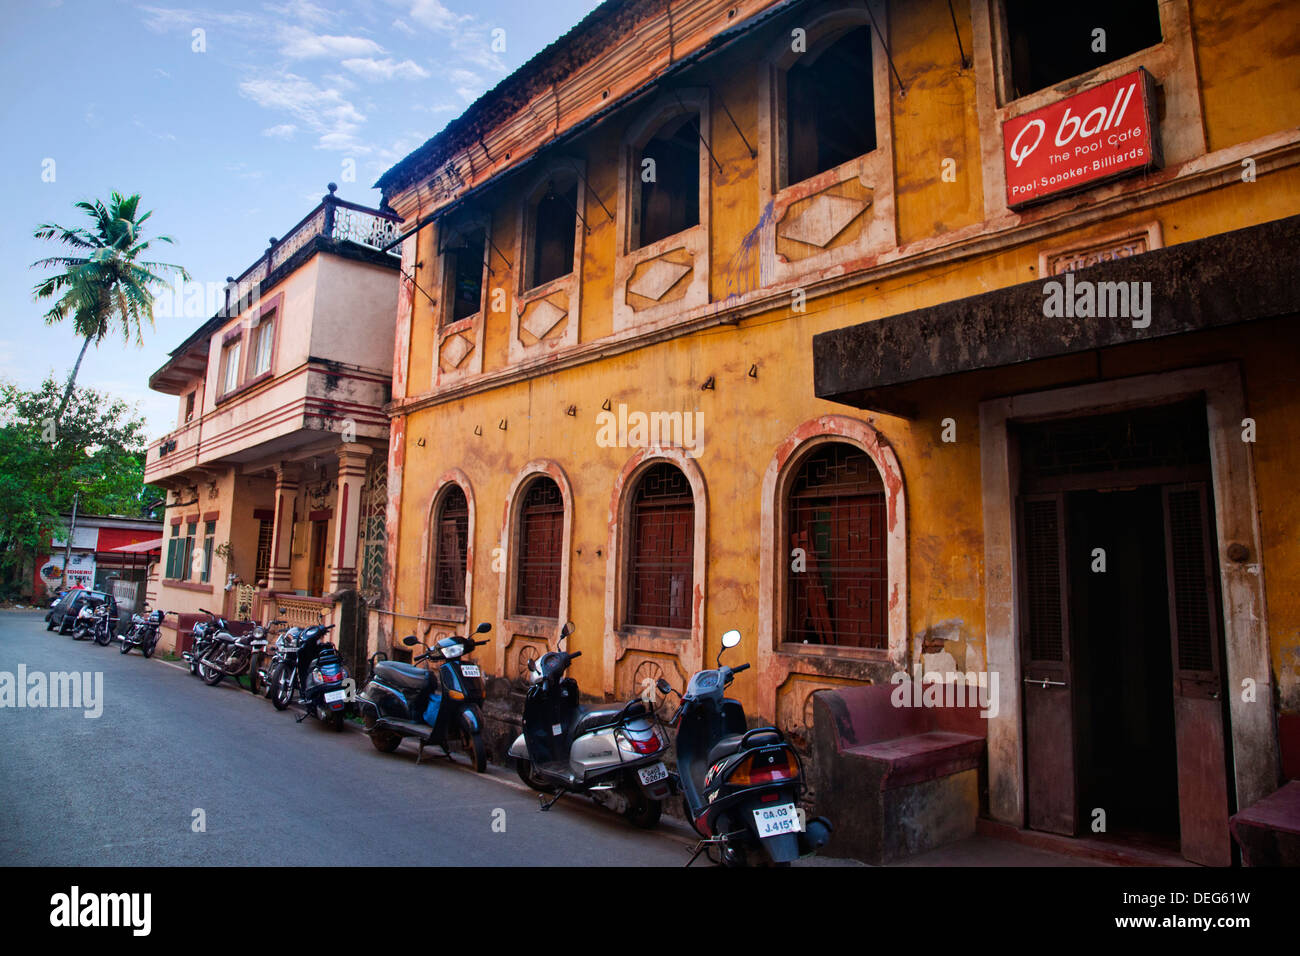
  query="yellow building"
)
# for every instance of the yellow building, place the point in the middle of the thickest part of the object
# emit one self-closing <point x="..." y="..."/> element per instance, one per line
<point x="952" y="337"/>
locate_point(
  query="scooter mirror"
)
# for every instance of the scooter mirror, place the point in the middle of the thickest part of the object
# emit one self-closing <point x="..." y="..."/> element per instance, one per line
<point x="663" y="686"/>
<point x="410" y="640"/>
<point x="567" y="629"/>
<point x="483" y="628"/>
<point x="730" y="639"/>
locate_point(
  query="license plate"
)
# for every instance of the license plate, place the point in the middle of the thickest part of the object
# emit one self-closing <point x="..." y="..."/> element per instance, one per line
<point x="653" y="773"/>
<point x="774" y="821"/>
<point x="335" y="695"/>
<point x="469" y="670"/>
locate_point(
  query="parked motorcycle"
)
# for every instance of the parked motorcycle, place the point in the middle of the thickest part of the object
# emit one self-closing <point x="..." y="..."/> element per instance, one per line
<point x="309" y="666"/>
<point x="435" y="707"/>
<point x="105" y="625"/>
<point x="230" y="656"/>
<point x="143" y="632"/>
<point x="280" y="675"/>
<point x="612" y="754"/>
<point x="85" y="625"/>
<point x="741" y="787"/>
<point x="201" y="638"/>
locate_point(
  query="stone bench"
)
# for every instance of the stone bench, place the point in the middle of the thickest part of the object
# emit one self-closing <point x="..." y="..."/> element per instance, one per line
<point x="895" y="781"/>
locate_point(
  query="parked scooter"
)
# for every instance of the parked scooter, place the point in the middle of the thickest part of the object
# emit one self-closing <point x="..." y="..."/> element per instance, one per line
<point x="230" y="656"/>
<point x="442" y="707"/>
<point x="143" y="632"/>
<point x="741" y="786"/>
<point x="613" y="754"/>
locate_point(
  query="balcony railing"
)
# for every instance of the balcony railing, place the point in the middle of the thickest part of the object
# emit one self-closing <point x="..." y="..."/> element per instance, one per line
<point x="335" y="218"/>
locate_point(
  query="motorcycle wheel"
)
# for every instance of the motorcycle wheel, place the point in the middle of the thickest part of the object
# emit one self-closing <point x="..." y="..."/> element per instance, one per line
<point x="641" y="810"/>
<point x="103" y="637"/>
<point x="49" y="625"/>
<point x="333" y="719"/>
<point x="474" y="749"/>
<point x="524" y="768"/>
<point x="147" y="647"/>
<point x="281" y="689"/>
<point x="209" y="673"/>
<point x="385" y="741"/>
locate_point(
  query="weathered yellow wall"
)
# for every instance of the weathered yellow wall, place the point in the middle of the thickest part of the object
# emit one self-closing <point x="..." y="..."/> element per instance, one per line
<point x="1250" y="70"/>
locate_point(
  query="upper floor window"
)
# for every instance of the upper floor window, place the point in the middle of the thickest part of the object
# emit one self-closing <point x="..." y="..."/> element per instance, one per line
<point x="835" y="515"/>
<point x="541" y="550"/>
<point x="552" y="221"/>
<point x="263" y="339"/>
<point x="668" y="175"/>
<point x="230" y="354"/>
<point x="189" y="405"/>
<point x="464" y="264"/>
<point x="661" y="560"/>
<point x="451" y="548"/>
<point x="1051" y="42"/>
<point x="829" y="107"/>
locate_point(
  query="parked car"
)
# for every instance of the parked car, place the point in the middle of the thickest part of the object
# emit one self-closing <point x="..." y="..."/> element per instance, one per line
<point x="64" y="614"/>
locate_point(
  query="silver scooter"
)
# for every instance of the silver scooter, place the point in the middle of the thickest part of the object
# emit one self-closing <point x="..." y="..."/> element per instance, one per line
<point x="612" y="754"/>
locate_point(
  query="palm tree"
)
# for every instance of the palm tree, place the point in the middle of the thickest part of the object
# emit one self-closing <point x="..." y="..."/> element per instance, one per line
<point x="105" y="279"/>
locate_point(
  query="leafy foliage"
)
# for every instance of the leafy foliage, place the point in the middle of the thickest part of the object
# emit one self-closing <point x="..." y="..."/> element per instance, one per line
<point x="97" y="449"/>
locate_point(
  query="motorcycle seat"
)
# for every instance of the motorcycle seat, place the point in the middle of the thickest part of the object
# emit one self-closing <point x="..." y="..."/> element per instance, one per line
<point x="724" y="748"/>
<point x="402" y="675"/>
<point x="591" y="719"/>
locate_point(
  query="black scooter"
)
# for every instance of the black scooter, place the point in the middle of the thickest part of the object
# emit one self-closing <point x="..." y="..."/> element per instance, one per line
<point x="442" y="707"/>
<point x="741" y="787"/>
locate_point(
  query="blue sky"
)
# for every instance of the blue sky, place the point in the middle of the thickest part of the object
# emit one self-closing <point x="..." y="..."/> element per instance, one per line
<point x="228" y="146"/>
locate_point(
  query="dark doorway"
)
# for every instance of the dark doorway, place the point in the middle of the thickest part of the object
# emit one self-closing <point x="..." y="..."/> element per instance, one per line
<point x="1123" y="672"/>
<point x="1121" y="667"/>
<point x="316" y="575"/>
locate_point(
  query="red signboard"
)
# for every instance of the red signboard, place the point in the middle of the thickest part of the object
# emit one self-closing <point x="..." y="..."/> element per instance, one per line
<point x="1103" y="132"/>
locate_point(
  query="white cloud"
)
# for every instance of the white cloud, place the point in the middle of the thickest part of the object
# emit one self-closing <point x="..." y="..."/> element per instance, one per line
<point x="386" y="69"/>
<point x="281" y="131"/>
<point x="301" y="44"/>
<point x="323" y="110"/>
<point x="432" y="14"/>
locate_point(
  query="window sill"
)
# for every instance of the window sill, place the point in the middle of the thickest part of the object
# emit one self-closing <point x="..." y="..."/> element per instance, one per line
<point x="449" y="613"/>
<point x="544" y="627"/>
<point x="871" y="655"/>
<point x="188" y="586"/>
<point x="550" y="287"/>
<point x="244" y="387"/>
<point x="654" y="633"/>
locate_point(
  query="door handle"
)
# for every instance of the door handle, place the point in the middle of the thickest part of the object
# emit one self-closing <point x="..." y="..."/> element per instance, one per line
<point x="1044" y="682"/>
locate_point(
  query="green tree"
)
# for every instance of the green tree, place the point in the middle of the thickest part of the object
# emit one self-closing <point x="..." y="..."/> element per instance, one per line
<point x="98" y="450"/>
<point x="105" y="281"/>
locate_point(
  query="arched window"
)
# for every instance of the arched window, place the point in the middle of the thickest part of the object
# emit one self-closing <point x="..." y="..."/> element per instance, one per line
<point x="829" y="106"/>
<point x="670" y="199"/>
<point x="551" y="224"/>
<point x="540" y="550"/>
<point x="661" y="556"/>
<point x="451" y="546"/>
<point x="835" y="514"/>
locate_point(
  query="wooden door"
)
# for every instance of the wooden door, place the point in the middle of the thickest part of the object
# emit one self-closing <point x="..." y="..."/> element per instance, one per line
<point x="1050" y="788"/>
<point x="1203" y="806"/>
<point x="316" y="573"/>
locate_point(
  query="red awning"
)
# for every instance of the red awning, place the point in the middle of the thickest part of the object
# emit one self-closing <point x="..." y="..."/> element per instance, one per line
<point x="154" y="544"/>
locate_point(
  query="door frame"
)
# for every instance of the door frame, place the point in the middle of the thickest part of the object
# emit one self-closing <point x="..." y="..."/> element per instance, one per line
<point x="1251" y="730"/>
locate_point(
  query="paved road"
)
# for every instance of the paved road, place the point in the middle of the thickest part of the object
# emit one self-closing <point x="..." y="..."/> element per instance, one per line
<point x="121" y="789"/>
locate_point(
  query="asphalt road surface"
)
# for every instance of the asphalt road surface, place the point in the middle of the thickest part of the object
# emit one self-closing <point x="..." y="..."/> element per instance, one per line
<point x="123" y="788"/>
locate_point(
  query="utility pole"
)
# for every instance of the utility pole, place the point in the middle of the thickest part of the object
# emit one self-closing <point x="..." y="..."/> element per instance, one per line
<point x="67" y="547"/>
